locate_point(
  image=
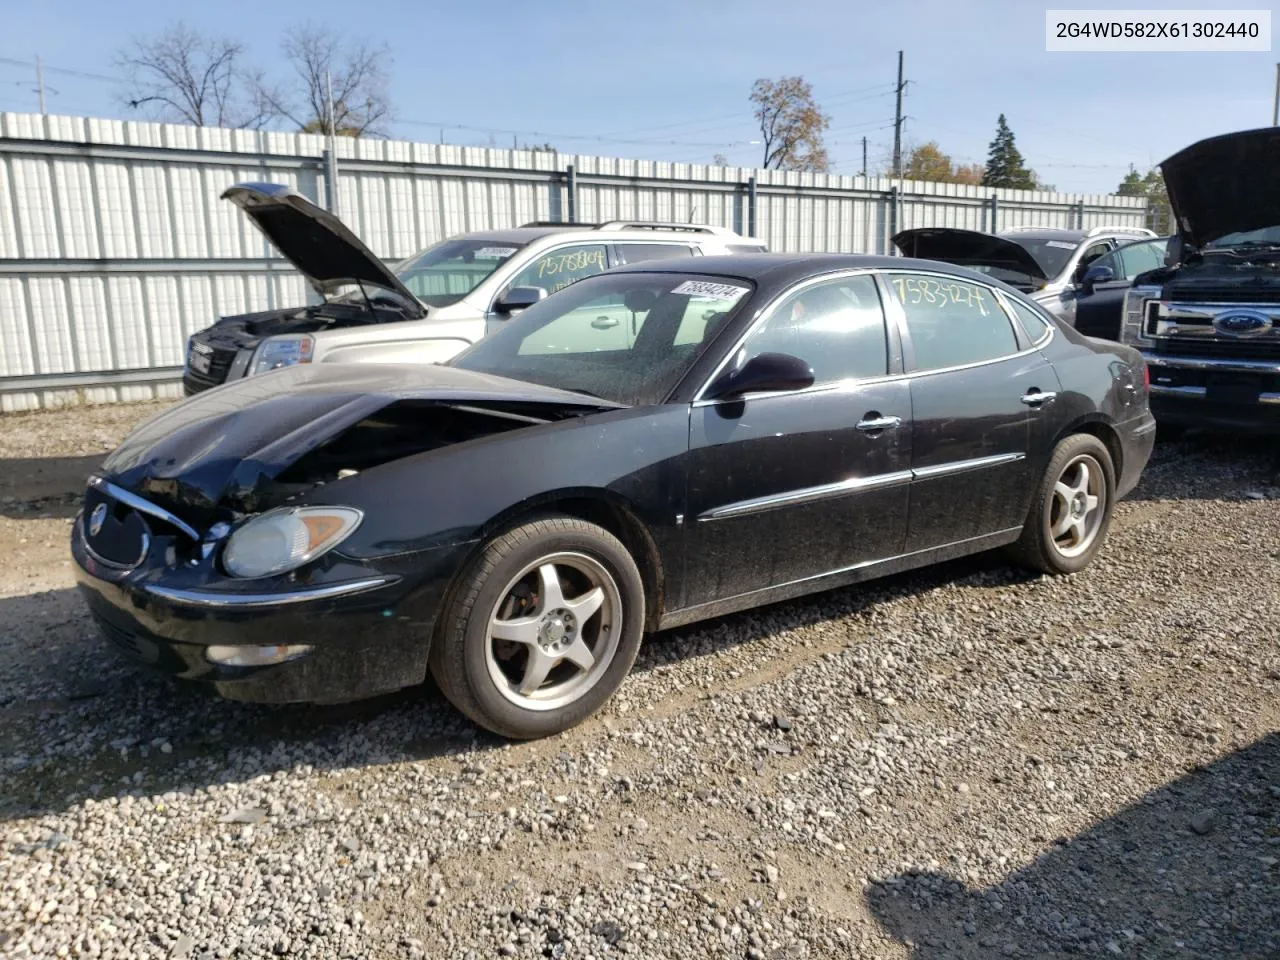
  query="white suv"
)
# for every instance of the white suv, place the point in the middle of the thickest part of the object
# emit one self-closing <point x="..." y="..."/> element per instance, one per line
<point x="423" y="309"/>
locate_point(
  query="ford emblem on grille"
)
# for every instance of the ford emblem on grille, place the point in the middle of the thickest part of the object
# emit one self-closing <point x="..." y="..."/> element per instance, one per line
<point x="96" y="519"/>
<point x="1242" y="323"/>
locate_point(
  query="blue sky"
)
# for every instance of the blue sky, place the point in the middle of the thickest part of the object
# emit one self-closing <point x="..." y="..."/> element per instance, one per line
<point x="669" y="80"/>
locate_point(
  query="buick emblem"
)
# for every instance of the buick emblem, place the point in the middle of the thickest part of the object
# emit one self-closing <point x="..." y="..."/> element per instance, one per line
<point x="1242" y="323"/>
<point x="97" y="519"/>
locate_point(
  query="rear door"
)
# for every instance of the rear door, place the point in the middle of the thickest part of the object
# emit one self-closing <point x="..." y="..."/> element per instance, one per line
<point x="976" y="384"/>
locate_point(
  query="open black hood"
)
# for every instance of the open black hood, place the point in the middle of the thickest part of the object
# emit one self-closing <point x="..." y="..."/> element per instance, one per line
<point x="1225" y="184"/>
<point x="225" y="442"/>
<point x="315" y="241"/>
<point x="967" y="248"/>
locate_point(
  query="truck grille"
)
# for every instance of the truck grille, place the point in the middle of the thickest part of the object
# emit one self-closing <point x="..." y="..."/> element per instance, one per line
<point x="220" y="359"/>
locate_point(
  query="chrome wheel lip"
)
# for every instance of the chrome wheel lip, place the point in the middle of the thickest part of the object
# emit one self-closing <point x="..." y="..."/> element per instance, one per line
<point x="557" y="630"/>
<point x="1077" y="506"/>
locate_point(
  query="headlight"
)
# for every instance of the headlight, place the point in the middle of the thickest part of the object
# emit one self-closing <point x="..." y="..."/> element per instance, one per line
<point x="1134" y="316"/>
<point x="285" y="539"/>
<point x="282" y="352"/>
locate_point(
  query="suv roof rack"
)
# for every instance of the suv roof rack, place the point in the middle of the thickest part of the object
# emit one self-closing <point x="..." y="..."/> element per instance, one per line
<point x="1117" y="228"/>
<point x="562" y="224"/>
<point x="658" y="225"/>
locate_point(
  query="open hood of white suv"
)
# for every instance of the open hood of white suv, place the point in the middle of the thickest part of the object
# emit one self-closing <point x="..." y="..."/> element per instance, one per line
<point x="315" y="241"/>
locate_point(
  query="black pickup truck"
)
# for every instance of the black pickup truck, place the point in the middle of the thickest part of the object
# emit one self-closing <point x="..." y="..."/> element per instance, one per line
<point x="1208" y="322"/>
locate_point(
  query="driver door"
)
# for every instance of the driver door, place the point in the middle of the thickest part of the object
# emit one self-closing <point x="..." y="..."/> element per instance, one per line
<point x="789" y="486"/>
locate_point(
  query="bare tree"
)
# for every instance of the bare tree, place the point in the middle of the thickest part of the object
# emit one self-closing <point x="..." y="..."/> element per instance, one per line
<point x="183" y="76"/>
<point x="791" y="125"/>
<point x="357" y="72"/>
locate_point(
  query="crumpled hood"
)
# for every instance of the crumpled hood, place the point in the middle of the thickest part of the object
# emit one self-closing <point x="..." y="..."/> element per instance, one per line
<point x="967" y="248"/>
<point x="315" y="241"/>
<point x="223" y="442"/>
<point x="1225" y="184"/>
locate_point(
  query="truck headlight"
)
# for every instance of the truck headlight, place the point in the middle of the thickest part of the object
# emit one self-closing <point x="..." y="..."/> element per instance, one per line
<point x="1135" y="309"/>
<point x="286" y="351"/>
<point x="284" y="539"/>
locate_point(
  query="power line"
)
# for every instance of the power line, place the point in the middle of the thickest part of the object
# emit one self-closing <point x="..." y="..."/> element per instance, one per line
<point x="568" y="136"/>
<point x="32" y="65"/>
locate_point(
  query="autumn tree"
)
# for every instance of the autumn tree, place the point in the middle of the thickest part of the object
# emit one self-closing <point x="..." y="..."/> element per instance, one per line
<point x="970" y="173"/>
<point x="791" y="125"/>
<point x="1150" y="186"/>
<point x="329" y="68"/>
<point x="184" y="77"/>
<point x="1005" y="166"/>
<point x="928" y="162"/>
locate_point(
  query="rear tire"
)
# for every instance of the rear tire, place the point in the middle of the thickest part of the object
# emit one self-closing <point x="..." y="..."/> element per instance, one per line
<point x="540" y="629"/>
<point x="1071" y="511"/>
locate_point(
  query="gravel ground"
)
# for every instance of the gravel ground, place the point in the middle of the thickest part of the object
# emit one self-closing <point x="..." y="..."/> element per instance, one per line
<point x="961" y="762"/>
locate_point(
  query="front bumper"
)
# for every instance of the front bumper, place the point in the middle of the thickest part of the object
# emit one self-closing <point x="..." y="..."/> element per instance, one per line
<point x="1235" y="395"/>
<point x="369" y="633"/>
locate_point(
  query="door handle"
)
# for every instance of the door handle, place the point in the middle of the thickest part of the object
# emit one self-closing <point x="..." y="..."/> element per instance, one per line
<point x="1036" y="397"/>
<point x="604" y="323"/>
<point x="874" y="423"/>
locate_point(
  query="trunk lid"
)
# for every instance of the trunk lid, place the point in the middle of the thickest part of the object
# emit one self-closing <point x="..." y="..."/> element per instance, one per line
<point x="968" y="248"/>
<point x="320" y="245"/>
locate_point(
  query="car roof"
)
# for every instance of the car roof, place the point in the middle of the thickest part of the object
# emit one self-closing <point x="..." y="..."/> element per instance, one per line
<point x="782" y="269"/>
<point x="576" y="231"/>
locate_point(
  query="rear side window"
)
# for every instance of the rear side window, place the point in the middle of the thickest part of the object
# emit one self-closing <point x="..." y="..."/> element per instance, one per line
<point x="1035" y="325"/>
<point x="952" y="322"/>
<point x="636" y="252"/>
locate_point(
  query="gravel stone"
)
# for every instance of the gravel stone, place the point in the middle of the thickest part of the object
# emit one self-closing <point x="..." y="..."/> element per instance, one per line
<point x="1095" y="718"/>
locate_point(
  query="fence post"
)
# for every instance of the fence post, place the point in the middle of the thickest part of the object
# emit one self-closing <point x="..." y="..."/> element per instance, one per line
<point x="331" y="182"/>
<point x="995" y="213"/>
<point x="751" y="206"/>
<point x="1080" y="215"/>
<point x="571" y="185"/>
<point x="893" y="220"/>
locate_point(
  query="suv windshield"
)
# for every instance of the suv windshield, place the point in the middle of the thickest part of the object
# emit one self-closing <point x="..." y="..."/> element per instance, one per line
<point x="1052" y="255"/>
<point x="625" y="337"/>
<point x="447" y="272"/>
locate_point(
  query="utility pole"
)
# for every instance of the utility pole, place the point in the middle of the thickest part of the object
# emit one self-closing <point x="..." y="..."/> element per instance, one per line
<point x="1275" y="104"/>
<point x="897" y="123"/>
<point x="331" y="172"/>
<point x="40" y="81"/>
<point x="864" y="156"/>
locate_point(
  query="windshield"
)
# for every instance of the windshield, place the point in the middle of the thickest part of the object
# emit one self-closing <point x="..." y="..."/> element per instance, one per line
<point x="447" y="272"/>
<point x="1052" y="255"/>
<point x="1266" y="237"/>
<point x="625" y="337"/>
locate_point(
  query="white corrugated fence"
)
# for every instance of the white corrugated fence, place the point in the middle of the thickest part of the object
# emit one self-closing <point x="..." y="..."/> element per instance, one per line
<point x="114" y="245"/>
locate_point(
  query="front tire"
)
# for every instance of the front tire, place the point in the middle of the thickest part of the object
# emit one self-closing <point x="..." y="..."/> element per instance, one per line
<point x="540" y="629"/>
<point x="1071" y="511"/>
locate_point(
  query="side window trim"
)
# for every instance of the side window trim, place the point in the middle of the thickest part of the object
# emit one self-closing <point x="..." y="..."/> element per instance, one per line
<point x="893" y="340"/>
<point x="1020" y="329"/>
<point x="908" y="347"/>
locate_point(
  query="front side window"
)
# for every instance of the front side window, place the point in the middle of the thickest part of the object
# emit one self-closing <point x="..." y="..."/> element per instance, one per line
<point x="627" y="337"/>
<point x="952" y="322"/>
<point x="446" y="272"/>
<point x="1139" y="258"/>
<point x="563" y="266"/>
<point x="1092" y="252"/>
<point x="836" y="327"/>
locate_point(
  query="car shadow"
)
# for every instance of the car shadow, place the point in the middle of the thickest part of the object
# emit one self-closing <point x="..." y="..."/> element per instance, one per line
<point x="44" y="486"/>
<point x="1150" y="881"/>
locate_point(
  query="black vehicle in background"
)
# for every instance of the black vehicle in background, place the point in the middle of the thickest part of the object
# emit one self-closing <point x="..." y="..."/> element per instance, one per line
<point x="515" y="519"/>
<point x="1100" y="294"/>
<point x="1209" y="322"/>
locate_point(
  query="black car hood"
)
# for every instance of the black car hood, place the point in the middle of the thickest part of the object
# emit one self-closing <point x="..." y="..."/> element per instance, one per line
<point x="967" y="248"/>
<point x="1225" y="184"/>
<point x="223" y="443"/>
<point x="315" y="241"/>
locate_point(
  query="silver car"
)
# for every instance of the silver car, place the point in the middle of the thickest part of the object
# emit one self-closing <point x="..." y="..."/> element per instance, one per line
<point x="1046" y="264"/>
<point x="431" y="306"/>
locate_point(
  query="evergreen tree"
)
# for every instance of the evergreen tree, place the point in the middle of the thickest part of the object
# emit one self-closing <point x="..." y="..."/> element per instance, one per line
<point x="1005" y="166"/>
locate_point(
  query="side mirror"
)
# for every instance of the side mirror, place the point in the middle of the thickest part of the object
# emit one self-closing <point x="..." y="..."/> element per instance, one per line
<point x="1098" y="273"/>
<point x="519" y="298"/>
<point x="765" y="372"/>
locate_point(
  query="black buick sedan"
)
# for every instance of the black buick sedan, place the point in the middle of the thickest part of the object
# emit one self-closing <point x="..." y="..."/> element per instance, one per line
<point x="649" y="447"/>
